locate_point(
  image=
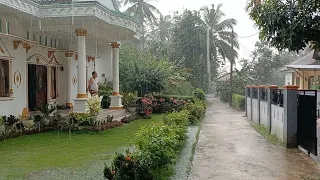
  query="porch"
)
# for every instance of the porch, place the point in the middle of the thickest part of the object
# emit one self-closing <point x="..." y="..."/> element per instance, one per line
<point x="307" y="77"/>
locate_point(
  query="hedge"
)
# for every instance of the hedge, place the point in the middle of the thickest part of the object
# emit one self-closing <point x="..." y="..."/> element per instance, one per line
<point x="238" y="101"/>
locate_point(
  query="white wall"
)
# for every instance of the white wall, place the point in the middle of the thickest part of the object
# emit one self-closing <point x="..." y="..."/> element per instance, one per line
<point x="16" y="105"/>
<point x="277" y="118"/>
<point x="104" y="64"/>
<point x="255" y="111"/>
<point x="288" y="78"/>
<point x="264" y="113"/>
<point x="249" y="107"/>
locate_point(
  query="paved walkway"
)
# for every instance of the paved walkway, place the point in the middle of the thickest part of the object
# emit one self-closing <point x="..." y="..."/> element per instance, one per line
<point x="229" y="148"/>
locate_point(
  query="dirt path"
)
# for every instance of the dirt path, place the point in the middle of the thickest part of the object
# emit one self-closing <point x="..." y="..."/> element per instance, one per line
<point x="229" y="148"/>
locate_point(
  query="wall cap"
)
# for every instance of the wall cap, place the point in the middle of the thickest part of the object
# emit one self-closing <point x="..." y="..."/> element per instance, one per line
<point x="273" y="87"/>
<point x="291" y="87"/>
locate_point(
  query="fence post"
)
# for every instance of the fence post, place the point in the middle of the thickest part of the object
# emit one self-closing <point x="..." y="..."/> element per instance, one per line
<point x="269" y="112"/>
<point x="290" y="116"/>
<point x="258" y="99"/>
<point x="251" y="96"/>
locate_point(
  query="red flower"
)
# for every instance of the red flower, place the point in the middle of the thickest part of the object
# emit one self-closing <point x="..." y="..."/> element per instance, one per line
<point x="128" y="158"/>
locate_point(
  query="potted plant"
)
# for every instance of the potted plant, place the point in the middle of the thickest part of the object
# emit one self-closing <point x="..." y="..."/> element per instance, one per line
<point x="129" y="102"/>
<point x="105" y="90"/>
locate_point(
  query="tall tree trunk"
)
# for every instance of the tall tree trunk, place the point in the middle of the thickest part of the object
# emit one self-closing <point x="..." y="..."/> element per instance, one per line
<point x="231" y="74"/>
<point x="142" y="38"/>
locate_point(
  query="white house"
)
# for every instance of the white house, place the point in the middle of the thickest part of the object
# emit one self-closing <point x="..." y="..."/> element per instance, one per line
<point x="48" y="49"/>
<point x="304" y="72"/>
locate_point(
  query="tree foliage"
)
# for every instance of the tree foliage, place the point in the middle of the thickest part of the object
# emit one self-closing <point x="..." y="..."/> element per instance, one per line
<point x="221" y="35"/>
<point x="287" y="24"/>
<point x="144" y="73"/>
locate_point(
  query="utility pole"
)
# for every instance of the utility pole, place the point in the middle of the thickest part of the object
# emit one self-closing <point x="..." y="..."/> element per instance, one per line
<point x="208" y="59"/>
<point x="231" y="73"/>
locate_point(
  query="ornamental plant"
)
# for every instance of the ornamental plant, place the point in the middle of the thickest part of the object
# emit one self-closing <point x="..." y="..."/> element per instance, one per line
<point x="94" y="104"/>
<point x="156" y="145"/>
<point x="127" y="167"/>
<point x="1" y="121"/>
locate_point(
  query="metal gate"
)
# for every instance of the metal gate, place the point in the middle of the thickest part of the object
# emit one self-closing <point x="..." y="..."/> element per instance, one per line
<point x="307" y="120"/>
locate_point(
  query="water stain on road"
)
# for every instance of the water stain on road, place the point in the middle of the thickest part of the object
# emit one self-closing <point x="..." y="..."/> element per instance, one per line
<point x="229" y="148"/>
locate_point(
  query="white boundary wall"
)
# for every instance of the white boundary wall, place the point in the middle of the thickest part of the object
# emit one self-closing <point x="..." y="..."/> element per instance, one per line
<point x="264" y="113"/>
<point x="249" y="107"/>
<point x="255" y="111"/>
<point x="277" y="118"/>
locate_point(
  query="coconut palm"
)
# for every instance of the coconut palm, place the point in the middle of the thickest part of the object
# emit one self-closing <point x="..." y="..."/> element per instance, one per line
<point x="143" y="11"/>
<point x="221" y="35"/>
<point x="222" y="38"/>
<point x="162" y="30"/>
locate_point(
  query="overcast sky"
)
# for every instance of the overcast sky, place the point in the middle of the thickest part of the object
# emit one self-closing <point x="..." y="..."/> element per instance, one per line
<point x="232" y="9"/>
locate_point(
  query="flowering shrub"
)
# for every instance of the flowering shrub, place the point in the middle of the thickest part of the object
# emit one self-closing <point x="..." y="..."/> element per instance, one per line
<point x="163" y="104"/>
<point x="127" y="167"/>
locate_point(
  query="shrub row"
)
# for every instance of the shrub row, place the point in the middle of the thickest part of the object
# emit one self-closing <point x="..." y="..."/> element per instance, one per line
<point x="238" y="101"/>
<point x="156" y="146"/>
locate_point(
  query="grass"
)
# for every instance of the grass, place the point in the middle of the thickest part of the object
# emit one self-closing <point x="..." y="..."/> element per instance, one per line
<point x="271" y="138"/>
<point x="28" y="154"/>
<point x="193" y="150"/>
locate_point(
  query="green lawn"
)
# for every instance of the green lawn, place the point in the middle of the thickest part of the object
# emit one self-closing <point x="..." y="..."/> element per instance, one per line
<point x="31" y="154"/>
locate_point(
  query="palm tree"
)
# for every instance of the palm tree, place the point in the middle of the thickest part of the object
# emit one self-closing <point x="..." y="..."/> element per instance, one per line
<point x="221" y="35"/>
<point x="142" y="10"/>
<point x="162" y="31"/>
<point x="222" y="38"/>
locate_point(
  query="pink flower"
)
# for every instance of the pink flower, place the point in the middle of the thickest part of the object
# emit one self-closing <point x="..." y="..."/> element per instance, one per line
<point x="162" y="100"/>
<point x="175" y="101"/>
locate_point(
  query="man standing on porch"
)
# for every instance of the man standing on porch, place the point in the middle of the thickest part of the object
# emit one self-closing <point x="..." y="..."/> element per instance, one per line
<point x="93" y="84"/>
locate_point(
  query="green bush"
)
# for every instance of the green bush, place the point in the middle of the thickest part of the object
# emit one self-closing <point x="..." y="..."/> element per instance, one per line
<point x="199" y="94"/>
<point x="238" y="101"/>
<point x="179" y="123"/>
<point x="127" y="167"/>
<point x="157" y="145"/>
<point x="176" y="118"/>
<point x="196" y="111"/>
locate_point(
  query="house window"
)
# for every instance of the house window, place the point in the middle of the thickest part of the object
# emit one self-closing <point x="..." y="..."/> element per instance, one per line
<point x="51" y="43"/>
<point x="4" y="78"/>
<point x="40" y="40"/>
<point x="46" y="41"/>
<point x="54" y="82"/>
<point x="297" y="81"/>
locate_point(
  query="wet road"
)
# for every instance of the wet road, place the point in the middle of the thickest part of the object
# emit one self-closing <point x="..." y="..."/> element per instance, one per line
<point x="229" y="148"/>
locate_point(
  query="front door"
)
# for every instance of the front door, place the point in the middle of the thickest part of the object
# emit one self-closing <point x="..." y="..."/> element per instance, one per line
<point x="37" y="86"/>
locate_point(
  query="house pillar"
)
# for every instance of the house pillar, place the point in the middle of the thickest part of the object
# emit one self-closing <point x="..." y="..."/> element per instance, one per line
<point x="116" y="98"/>
<point x="69" y="55"/>
<point x="290" y="119"/>
<point x="80" y="101"/>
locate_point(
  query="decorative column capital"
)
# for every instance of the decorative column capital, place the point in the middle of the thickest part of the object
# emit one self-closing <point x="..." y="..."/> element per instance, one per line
<point x="68" y="54"/>
<point x="81" y="32"/>
<point x="115" y="45"/>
